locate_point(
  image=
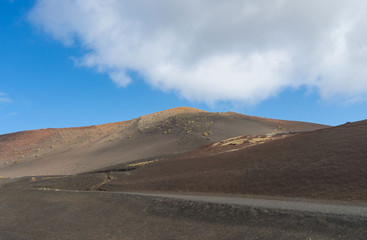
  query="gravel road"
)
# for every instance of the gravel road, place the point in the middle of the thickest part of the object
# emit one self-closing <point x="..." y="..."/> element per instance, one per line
<point x="287" y="205"/>
<point x="48" y="213"/>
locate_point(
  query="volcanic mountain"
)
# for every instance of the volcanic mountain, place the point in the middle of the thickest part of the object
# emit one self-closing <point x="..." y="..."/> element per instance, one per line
<point x="326" y="164"/>
<point x="154" y="136"/>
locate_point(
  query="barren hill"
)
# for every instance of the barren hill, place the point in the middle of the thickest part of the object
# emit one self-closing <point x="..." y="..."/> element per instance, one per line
<point x="157" y="135"/>
<point x="328" y="164"/>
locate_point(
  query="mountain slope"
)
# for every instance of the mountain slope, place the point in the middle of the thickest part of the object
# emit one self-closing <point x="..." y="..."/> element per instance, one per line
<point x="157" y="135"/>
<point x="326" y="164"/>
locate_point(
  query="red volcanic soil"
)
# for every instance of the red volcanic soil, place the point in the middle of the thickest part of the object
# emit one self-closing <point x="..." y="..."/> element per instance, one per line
<point x="328" y="164"/>
<point x="22" y="142"/>
<point x="157" y="135"/>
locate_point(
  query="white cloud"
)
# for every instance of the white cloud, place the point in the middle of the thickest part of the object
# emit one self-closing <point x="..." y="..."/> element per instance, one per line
<point x="4" y="98"/>
<point x="210" y="50"/>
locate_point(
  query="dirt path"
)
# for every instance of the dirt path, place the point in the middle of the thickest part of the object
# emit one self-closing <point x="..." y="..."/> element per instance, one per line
<point x="349" y="210"/>
<point x="286" y="205"/>
<point x="46" y="213"/>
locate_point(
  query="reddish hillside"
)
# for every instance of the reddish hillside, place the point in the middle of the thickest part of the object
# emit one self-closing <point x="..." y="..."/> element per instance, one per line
<point x="162" y="134"/>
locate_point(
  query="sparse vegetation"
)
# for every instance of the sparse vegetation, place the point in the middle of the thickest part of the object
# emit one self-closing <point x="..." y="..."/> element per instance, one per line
<point x="257" y="140"/>
<point x="260" y="139"/>
<point x="140" y="164"/>
<point x="241" y="140"/>
<point x="234" y="141"/>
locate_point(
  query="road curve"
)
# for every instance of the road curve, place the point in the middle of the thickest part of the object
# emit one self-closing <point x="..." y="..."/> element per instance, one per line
<point x="286" y="205"/>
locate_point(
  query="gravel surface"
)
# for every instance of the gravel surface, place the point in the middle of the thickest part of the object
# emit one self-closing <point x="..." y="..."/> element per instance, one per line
<point x="71" y="214"/>
<point x="302" y="206"/>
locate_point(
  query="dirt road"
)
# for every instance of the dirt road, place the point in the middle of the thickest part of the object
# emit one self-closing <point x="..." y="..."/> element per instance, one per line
<point x="287" y="205"/>
<point x="41" y="213"/>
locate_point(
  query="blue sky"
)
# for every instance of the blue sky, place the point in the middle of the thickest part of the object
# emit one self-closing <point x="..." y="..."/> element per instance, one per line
<point x="49" y="80"/>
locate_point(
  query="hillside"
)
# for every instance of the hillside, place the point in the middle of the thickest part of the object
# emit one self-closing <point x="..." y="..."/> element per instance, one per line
<point x="157" y="135"/>
<point x="328" y="164"/>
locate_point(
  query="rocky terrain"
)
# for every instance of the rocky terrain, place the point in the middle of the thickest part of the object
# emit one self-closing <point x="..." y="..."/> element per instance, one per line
<point x="186" y="174"/>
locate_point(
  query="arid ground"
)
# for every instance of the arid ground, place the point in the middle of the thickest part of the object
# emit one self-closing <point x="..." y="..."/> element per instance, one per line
<point x="162" y="134"/>
<point x="231" y="176"/>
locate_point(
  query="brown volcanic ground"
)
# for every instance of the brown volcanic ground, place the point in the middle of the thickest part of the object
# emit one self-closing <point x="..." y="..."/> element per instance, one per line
<point x="266" y="160"/>
<point x="162" y="134"/>
<point x="328" y="164"/>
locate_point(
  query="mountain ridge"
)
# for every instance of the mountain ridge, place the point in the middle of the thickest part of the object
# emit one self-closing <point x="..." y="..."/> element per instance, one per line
<point x="169" y="132"/>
